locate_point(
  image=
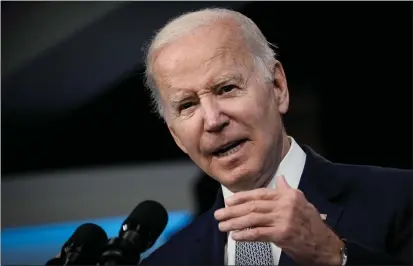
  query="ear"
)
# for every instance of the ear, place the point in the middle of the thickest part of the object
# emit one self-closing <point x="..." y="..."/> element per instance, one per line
<point x="177" y="139"/>
<point x="280" y="83"/>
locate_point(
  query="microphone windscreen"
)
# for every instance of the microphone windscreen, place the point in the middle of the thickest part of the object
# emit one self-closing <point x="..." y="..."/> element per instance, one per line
<point x="88" y="234"/>
<point x="149" y="218"/>
<point x="88" y="240"/>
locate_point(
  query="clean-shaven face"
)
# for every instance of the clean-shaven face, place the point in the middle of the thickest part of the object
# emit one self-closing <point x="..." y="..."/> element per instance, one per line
<point x="218" y="107"/>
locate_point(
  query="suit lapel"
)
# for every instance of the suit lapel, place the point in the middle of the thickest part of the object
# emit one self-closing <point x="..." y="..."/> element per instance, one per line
<point x="319" y="189"/>
<point x="219" y="238"/>
<point x="212" y="241"/>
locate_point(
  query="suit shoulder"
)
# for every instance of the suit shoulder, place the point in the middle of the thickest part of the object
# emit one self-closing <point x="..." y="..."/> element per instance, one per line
<point x="376" y="178"/>
<point x="375" y="172"/>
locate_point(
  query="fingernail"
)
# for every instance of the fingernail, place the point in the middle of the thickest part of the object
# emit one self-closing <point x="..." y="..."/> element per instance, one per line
<point x="222" y="226"/>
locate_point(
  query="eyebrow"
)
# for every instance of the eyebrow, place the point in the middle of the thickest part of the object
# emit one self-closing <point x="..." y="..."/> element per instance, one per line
<point x="177" y="98"/>
<point x="183" y="94"/>
<point x="224" y="79"/>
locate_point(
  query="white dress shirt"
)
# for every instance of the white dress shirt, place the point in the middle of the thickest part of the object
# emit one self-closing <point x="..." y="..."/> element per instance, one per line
<point x="292" y="168"/>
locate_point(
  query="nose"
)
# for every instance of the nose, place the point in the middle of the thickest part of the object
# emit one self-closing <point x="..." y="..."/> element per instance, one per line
<point x="214" y="119"/>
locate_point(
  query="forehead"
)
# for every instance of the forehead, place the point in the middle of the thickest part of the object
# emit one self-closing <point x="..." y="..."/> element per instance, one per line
<point x="200" y="58"/>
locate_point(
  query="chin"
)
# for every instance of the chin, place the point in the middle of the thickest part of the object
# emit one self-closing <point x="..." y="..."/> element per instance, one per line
<point x="239" y="179"/>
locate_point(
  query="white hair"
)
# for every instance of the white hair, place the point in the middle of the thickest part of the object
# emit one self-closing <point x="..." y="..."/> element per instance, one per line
<point x="262" y="54"/>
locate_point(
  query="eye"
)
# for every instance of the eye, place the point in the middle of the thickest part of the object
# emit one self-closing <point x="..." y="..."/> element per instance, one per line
<point x="226" y="89"/>
<point x="185" y="105"/>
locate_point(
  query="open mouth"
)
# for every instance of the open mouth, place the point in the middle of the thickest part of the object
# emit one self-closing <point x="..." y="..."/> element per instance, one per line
<point x="229" y="148"/>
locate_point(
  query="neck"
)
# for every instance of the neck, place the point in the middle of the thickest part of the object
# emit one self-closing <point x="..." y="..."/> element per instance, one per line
<point x="285" y="145"/>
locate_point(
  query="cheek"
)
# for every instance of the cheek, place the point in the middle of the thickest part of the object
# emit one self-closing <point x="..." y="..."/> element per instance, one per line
<point x="257" y="110"/>
<point x="189" y="135"/>
<point x="266" y="111"/>
<point x="263" y="120"/>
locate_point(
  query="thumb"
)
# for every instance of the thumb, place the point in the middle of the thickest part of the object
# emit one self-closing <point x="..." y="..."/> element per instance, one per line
<point x="281" y="183"/>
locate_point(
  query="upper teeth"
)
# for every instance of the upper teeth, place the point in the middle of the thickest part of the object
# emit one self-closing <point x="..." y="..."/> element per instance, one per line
<point x="226" y="147"/>
<point x="230" y="151"/>
<point x="225" y="152"/>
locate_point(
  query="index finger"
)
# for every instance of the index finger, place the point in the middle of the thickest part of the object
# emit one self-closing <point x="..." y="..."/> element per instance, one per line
<point x="255" y="194"/>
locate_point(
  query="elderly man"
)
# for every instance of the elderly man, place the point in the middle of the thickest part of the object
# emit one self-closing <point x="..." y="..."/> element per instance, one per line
<point x="217" y="84"/>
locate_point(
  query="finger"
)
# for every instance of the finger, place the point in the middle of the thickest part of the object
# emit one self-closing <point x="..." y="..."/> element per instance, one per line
<point x="281" y="184"/>
<point x="255" y="206"/>
<point x="255" y="194"/>
<point x="262" y="234"/>
<point x="245" y="222"/>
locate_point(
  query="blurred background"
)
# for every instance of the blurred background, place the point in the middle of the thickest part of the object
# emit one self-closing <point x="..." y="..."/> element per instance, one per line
<point x="80" y="144"/>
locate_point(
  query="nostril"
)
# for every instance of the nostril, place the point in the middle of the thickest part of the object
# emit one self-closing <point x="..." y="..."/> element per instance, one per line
<point x="216" y="125"/>
<point x="225" y="124"/>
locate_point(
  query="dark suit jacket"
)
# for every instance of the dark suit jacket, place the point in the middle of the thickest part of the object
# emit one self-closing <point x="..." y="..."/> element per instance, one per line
<point x="369" y="206"/>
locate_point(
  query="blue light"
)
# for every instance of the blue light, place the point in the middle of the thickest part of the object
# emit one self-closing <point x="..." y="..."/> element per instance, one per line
<point x="35" y="245"/>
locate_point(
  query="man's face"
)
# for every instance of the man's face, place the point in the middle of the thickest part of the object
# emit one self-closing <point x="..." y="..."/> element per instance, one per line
<point x="218" y="107"/>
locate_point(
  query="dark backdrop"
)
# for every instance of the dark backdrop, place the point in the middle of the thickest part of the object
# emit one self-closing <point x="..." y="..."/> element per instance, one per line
<point x="355" y="56"/>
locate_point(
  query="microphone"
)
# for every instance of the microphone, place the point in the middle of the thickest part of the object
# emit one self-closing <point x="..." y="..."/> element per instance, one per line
<point x="137" y="234"/>
<point x="83" y="247"/>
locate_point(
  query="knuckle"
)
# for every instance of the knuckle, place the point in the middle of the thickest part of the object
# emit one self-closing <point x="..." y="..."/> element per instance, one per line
<point x="311" y="206"/>
<point x="268" y="193"/>
<point x="280" y="230"/>
<point x="272" y="193"/>
<point x="253" y="218"/>
<point x="253" y="206"/>
<point x="255" y="234"/>
<point x="289" y="203"/>
<point x="286" y="228"/>
<point x="236" y="223"/>
<point x="258" y="232"/>
<point x="272" y="218"/>
<point x="299" y="193"/>
<point x="289" y="216"/>
<point x="295" y="196"/>
<point x="284" y="232"/>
